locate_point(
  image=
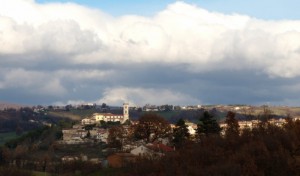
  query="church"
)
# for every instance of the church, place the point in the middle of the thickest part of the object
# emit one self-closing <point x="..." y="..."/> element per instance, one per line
<point x="108" y="117"/>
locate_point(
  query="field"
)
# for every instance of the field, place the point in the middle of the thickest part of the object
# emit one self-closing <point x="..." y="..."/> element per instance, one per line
<point x="167" y="114"/>
<point x="4" y="137"/>
<point x="278" y="110"/>
<point x="36" y="173"/>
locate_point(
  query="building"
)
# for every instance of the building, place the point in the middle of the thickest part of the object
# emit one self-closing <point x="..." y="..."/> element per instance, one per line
<point x="151" y="150"/>
<point x="142" y="150"/>
<point x="99" y="134"/>
<point x="108" y="117"/>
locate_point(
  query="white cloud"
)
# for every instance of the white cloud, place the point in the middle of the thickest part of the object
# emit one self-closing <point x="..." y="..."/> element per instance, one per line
<point x="54" y="47"/>
<point x="142" y="96"/>
<point x="84" y="74"/>
<point x="181" y="33"/>
<point x="33" y="81"/>
<point x="138" y="97"/>
<point x="53" y="87"/>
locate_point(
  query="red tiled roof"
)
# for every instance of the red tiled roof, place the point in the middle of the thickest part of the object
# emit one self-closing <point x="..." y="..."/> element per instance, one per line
<point x="160" y="147"/>
<point x="108" y="114"/>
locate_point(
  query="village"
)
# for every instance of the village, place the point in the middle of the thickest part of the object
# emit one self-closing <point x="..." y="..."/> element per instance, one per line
<point x="95" y="132"/>
<point x="96" y="129"/>
<point x="97" y="138"/>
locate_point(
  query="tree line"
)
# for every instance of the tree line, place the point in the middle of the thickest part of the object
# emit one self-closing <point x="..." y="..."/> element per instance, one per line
<point x="262" y="150"/>
<point x="265" y="149"/>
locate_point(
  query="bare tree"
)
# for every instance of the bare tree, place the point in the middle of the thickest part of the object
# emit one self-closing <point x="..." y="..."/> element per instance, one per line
<point x="151" y="127"/>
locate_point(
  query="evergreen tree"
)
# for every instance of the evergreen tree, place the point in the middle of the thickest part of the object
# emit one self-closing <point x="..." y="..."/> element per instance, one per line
<point x="232" y="128"/>
<point x="180" y="133"/>
<point x="208" y="125"/>
<point x="88" y="135"/>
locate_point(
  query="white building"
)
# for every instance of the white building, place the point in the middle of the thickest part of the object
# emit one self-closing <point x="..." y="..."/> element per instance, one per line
<point x="151" y="150"/>
<point x="141" y="151"/>
<point x="108" y="117"/>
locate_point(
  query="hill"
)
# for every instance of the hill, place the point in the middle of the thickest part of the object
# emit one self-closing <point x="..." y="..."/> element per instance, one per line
<point x="6" y="105"/>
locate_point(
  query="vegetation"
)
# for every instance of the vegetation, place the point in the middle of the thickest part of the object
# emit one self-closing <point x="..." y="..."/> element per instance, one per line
<point x="208" y="125"/>
<point x="11" y="171"/>
<point x="151" y="127"/>
<point x="264" y="150"/>
<point x="116" y="136"/>
<point x="180" y="134"/>
<point x="232" y="130"/>
<point x="5" y="137"/>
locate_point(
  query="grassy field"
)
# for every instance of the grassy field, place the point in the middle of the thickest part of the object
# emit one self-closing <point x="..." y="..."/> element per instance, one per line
<point x="107" y="172"/>
<point x="167" y="114"/>
<point x="281" y="111"/>
<point x="64" y="114"/>
<point x="4" y="137"/>
<point x="73" y="114"/>
<point x="36" y="173"/>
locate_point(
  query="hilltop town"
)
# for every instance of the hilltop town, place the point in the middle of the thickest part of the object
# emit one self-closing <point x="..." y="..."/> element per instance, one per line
<point x="114" y="137"/>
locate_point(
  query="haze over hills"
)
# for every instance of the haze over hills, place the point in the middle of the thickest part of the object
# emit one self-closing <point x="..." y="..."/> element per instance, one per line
<point x="6" y="105"/>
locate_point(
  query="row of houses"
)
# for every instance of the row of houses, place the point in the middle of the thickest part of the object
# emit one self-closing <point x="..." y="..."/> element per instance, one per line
<point x="153" y="151"/>
<point x="250" y="124"/>
<point x="77" y="135"/>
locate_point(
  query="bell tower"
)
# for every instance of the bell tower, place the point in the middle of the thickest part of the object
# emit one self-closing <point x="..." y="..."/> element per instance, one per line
<point x="126" y="111"/>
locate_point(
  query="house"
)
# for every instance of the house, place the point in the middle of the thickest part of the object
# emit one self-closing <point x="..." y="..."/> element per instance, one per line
<point x="82" y="133"/>
<point x="68" y="133"/>
<point x="100" y="134"/>
<point x="118" y="160"/>
<point x="160" y="148"/>
<point x="151" y="150"/>
<point x="77" y="126"/>
<point x="73" y="136"/>
<point x="191" y="127"/>
<point x="150" y="108"/>
<point x="108" y="117"/>
<point x="165" y="141"/>
<point x="142" y="150"/>
<point x="191" y="130"/>
<point x="88" y="121"/>
<point x="66" y="159"/>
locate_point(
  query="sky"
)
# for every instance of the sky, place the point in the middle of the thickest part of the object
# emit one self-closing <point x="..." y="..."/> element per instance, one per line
<point x="150" y="52"/>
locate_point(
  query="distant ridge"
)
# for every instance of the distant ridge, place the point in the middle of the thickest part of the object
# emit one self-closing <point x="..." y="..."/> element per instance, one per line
<point x="6" y="105"/>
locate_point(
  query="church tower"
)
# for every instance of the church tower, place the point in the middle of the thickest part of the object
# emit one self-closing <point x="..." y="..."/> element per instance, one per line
<point x="126" y="111"/>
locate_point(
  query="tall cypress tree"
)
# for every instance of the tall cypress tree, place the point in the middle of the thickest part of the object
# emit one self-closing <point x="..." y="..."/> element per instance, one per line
<point x="208" y="125"/>
<point x="180" y="133"/>
<point x="232" y="129"/>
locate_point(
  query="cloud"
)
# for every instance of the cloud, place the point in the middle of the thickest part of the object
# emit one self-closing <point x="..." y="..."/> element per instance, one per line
<point x="139" y="97"/>
<point x="182" y="33"/>
<point x="142" y="96"/>
<point x="56" y="47"/>
<point x="33" y="81"/>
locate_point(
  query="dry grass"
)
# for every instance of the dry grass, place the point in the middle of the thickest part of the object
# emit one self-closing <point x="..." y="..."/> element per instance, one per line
<point x="68" y="115"/>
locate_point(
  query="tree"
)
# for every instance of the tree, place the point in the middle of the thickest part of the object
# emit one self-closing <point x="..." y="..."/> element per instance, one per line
<point x="232" y="128"/>
<point x="103" y="105"/>
<point x="208" y="125"/>
<point x="89" y="127"/>
<point x="88" y="135"/>
<point x="116" y="136"/>
<point x="180" y="133"/>
<point x="266" y="114"/>
<point x="151" y="127"/>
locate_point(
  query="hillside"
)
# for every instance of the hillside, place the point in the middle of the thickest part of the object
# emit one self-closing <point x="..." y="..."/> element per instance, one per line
<point x="219" y="112"/>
